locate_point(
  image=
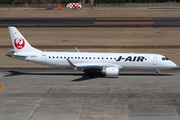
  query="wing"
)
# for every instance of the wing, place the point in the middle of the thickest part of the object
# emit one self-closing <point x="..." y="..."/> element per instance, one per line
<point x="84" y="66"/>
<point x="91" y="65"/>
<point x="77" y="49"/>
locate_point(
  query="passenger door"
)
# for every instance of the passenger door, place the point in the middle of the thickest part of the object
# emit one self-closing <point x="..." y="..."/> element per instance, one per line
<point x="154" y="60"/>
<point x="43" y="58"/>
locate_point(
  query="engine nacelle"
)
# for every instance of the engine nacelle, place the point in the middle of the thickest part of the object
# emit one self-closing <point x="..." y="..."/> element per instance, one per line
<point x="111" y="71"/>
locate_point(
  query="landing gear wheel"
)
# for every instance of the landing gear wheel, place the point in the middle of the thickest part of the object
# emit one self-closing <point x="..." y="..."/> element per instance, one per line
<point x="157" y="74"/>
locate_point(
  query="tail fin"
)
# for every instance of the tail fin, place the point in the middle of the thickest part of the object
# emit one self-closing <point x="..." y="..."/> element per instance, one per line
<point x="20" y="44"/>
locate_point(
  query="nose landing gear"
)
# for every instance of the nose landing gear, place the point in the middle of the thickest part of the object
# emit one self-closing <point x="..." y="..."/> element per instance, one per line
<point x="156" y="73"/>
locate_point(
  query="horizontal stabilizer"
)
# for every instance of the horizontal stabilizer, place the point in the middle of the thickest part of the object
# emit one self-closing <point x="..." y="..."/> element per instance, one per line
<point x="13" y="55"/>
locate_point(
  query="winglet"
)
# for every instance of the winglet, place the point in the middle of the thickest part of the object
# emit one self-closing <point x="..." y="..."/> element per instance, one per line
<point x="71" y="64"/>
<point x="77" y="49"/>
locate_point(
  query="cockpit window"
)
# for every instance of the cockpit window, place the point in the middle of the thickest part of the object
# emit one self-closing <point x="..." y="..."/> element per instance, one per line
<point x="165" y="58"/>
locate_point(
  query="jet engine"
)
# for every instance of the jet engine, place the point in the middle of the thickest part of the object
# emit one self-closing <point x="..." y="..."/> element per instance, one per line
<point x="111" y="71"/>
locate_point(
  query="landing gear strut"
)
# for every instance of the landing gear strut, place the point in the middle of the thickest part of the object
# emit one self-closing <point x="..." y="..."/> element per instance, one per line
<point x="156" y="73"/>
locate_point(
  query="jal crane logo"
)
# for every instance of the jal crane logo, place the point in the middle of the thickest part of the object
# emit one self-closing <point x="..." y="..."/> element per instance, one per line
<point x="19" y="43"/>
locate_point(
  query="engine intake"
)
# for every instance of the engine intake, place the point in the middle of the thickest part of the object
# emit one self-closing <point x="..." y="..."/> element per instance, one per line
<point x="111" y="71"/>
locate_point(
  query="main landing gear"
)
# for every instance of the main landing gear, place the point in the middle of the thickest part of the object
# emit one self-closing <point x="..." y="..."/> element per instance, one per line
<point x="156" y="73"/>
<point x="94" y="73"/>
<point x="91" y="74"/>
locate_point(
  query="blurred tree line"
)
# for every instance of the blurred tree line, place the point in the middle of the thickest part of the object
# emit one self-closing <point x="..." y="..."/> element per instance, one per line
<point x="87" y="1"/>
<point x="135" y="1"/>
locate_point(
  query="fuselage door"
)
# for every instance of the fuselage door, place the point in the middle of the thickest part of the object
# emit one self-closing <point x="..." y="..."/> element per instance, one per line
<point x="43" y="58"/>
<point x="155" y="60"/>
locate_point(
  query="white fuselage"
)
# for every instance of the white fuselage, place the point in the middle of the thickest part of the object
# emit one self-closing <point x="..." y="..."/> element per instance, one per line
<point x="120" y="60"/>
<point x="107" y="63"/>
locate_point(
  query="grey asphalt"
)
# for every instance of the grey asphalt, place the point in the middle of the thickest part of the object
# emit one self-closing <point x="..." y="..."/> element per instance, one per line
<point x="85" y="22"/>
<point x="70" y="95"/>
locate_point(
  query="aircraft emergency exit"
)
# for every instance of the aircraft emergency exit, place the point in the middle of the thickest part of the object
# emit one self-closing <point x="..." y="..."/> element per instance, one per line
<point x="107" y="63"/>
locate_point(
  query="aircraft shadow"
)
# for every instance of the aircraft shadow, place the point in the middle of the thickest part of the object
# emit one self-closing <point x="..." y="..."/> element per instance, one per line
<point x="17" y="73"/>
<point x="84" y="75"/>
<point x="144" y="74"/>
<point x="83" y="78"/>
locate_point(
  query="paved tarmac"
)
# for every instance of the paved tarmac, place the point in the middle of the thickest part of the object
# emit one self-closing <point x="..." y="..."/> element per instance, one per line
<point x="52" y="95"/>
<point x="90" y="22"/>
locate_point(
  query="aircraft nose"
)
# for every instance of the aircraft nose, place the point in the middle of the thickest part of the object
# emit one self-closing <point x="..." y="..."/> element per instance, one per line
<point x="173" y="65"/>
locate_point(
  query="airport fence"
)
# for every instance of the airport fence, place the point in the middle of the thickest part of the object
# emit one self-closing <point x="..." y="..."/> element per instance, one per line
<point x="97" y="5"/>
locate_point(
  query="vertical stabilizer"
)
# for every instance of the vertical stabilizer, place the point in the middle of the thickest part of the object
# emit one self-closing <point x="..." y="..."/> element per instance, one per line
<point x="20" y="44"/>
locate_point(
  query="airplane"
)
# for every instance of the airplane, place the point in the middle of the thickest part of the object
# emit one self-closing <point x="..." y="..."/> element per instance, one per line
<point x="107" y="63"/>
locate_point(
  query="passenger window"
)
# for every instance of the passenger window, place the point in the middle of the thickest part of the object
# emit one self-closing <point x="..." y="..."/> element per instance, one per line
<point x="82" y="57"/>
<point x="49" y="56"/>
<point x="94" y="57"/>
<point x="53" y="56"/>
<point x="64" y="57"/>
<point x="98" y="57"/>
<point x="115" y="58"/>
<point x="111" y="58"/>
<point x="86" y="57"/>
<point x="61" y="57"/>
<point x="78" y="57"/>
<point x="57" y="57"/>
<point x="102" y="58"/>
<point x="71" y="57"/>
<point x="107" y="58"/>
<point x="89" y="57"/>
<point x="75" y="57"/>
